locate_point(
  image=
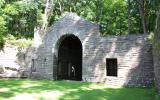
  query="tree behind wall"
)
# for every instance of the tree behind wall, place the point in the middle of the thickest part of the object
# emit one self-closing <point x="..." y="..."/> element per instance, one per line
<point x="22" y="16"/>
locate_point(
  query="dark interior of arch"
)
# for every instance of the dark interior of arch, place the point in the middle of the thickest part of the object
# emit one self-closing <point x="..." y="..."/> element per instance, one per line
<point x="70" y="59"/>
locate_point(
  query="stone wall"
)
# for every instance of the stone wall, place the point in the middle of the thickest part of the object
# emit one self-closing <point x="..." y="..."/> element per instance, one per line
<point x="133" y="53"/>
<point x="12" y="63"/>
<point x="134" y="56"/>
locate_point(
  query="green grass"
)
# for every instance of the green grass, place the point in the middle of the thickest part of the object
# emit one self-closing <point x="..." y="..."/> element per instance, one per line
<point x="62" y="90"/>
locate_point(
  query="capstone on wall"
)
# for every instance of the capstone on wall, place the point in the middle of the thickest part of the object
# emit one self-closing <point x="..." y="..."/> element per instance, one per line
<point x="133" y="53"/>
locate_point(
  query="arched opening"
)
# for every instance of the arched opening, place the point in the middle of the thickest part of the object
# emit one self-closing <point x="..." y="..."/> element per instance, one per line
<point x="69" y="59"/>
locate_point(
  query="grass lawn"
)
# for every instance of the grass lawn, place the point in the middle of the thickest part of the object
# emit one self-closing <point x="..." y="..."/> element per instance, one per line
<point x="62" y="90"/>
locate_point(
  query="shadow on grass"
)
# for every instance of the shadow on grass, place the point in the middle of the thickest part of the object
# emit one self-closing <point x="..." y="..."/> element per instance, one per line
<point x="10" y="88"/>
<point x="111" y="94"/>
<point x="72" y="90"/>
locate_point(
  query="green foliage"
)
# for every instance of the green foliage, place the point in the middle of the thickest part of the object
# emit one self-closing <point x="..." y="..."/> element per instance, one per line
<point x="21" y="17"/>
<point x="149" y="9"/>
<point x="21" y="44"/>
<point x="151" y="36"/>
<point x="3" y="28"/>
<point x="2" y="42"/>
<point x="114" y="19"/>
<point x="2" y="3"/>
<point x="110" y="14"/>
<point x="62" y="90"/>
<point x="2" y="32"/>
<point x="11" y="9"/>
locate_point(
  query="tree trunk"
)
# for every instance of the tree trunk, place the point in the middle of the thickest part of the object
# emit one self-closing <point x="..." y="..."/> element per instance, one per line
<point x="129" y="17"/>
<point x="156" y="53"/>
<point x="61" y="4"/>
<point x="157" y="27"/>
<point x="142" y="14"/>
<point x="39" y="31"/>
<point x="48" y="12"/>
<point x="45" y="20"/>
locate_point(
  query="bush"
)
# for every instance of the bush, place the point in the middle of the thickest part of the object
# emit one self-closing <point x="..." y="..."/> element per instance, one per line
<point x="2" y="32"/>
<point x="2" y="42"/>
<point x="21" y="44"/>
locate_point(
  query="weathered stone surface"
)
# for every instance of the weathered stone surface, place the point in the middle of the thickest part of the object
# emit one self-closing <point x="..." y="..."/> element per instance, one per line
<point x="11" y="63"/>
<point x="1" y="69"/>
<point x="133" y="52"/>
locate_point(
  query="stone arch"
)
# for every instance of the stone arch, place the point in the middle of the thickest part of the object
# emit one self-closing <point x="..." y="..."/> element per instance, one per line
<point x="68" y="58"/>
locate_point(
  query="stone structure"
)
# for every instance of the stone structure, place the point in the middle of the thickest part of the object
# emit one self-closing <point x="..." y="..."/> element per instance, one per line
<point x="73" y="49"/>
<point x="12" y="63"/>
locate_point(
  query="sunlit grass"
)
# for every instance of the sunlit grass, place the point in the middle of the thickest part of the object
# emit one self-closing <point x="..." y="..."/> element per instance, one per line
<point x="62" y="90"/>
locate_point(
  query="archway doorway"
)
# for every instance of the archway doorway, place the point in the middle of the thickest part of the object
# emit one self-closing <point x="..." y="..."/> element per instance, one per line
<point x="70" y="59"/>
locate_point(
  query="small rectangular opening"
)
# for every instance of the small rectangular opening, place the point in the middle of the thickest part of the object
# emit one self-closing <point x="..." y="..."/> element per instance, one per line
<point x="33" y="69"/>
<point x="111" y="66"/>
